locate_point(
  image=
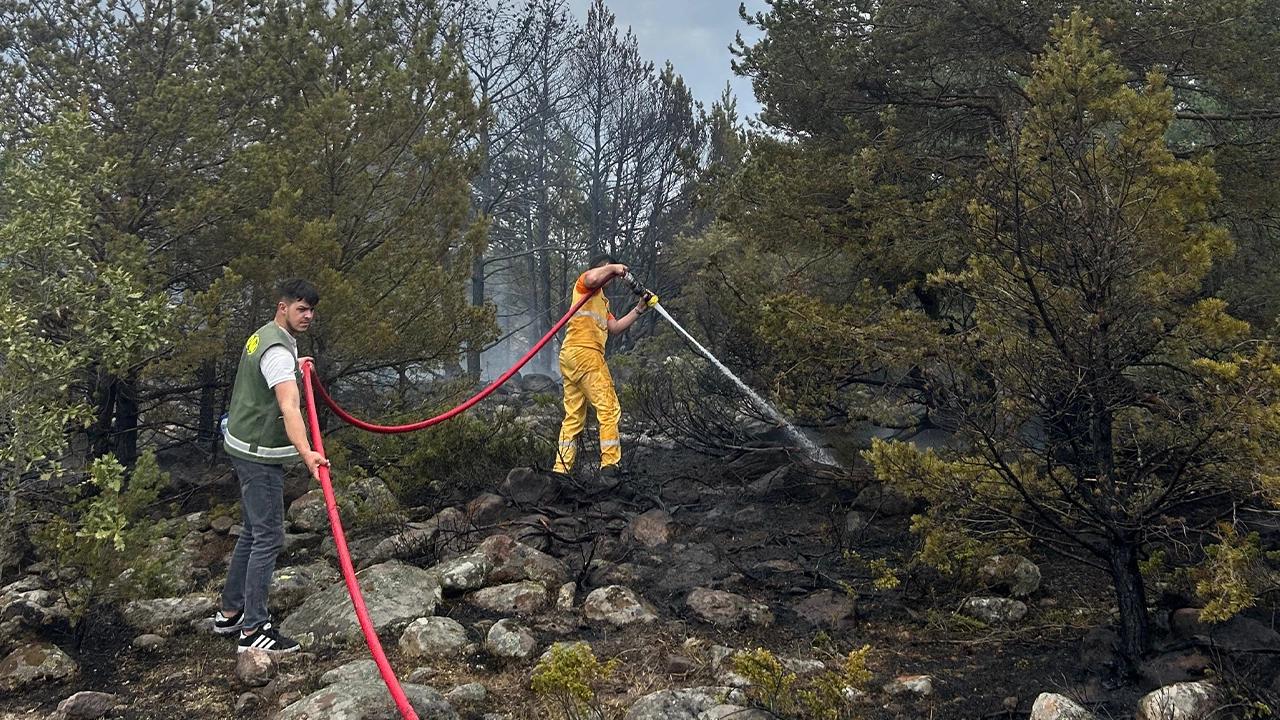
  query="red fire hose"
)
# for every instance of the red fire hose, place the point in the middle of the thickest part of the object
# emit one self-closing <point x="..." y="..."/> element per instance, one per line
<point x="335" y="523"/>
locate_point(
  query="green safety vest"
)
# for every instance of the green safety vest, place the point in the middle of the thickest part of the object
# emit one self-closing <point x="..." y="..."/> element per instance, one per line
<point x="255" y="427"/>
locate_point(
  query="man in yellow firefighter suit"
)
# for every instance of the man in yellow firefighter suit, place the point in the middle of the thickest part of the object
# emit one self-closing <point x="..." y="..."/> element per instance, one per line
<point x="586" y="376"/>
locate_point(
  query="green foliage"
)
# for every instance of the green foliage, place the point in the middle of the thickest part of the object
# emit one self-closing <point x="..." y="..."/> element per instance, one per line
<point x="458" y="457"/>
<point x="567" y="681"/>
<point x="229" y="145"/>
<point x="1095" y="392"/>
<point x="826" y="696"/>
<point x="1233" y="574"/>
<point x="66" y="313"/>
<point x="104" y="541"/>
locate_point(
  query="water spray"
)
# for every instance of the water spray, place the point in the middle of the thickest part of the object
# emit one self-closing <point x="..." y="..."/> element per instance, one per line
<point x="816" y="452"/>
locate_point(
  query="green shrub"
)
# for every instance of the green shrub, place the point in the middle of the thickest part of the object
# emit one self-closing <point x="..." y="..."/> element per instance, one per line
<point x="104" y="539"/>
<point x="567" y="680"/>
<point x="827" y="696"/>
<point x="457" y="457"/>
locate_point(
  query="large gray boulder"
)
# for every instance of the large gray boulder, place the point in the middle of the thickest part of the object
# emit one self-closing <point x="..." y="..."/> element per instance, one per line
<point x="161" y="613"/>
<point x="995" y="611"/>
<point x="367" y="701"/>
<point x="465" y="573"/>
<point x="434" y="637"/>
<point x="1180" y="701"/>
<point x="521" y="598"/>
<point x="291" y="586"/>
<point x="1011" y="574"/>
<point x="308" y="513"/>
<point x="727" y="609"/>
<point x="617" y="605"/>
<point x="512" y="562"/>
<point x="394" y="593"/>
<point x="686" y="704"/>
<point x="35" y="664"/>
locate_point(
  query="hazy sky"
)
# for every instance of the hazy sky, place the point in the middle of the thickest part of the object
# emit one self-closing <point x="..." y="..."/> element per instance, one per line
<point x="694" y="35"/>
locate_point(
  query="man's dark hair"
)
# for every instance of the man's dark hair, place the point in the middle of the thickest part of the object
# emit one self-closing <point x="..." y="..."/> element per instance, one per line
<point x="600" y="260"/>
<point x="295" y="289"/>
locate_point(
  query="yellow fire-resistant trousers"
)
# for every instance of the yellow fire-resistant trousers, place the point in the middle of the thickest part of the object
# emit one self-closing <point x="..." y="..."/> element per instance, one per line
<point x="587" y="380"/>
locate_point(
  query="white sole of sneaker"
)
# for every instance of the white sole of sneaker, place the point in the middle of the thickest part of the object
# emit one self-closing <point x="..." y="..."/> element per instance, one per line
<point x="273" y="651"/>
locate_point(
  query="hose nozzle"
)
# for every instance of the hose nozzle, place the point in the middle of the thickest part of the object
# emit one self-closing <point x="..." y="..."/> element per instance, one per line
<point x="631" y="281"/>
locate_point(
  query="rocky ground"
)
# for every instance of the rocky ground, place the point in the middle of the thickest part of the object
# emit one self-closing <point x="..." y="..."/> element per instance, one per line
<point x="671" y="572"/>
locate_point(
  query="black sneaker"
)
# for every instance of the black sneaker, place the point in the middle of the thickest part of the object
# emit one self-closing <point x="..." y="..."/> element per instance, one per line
<point x="227" y="624"/>
<point x="266" y="638"/>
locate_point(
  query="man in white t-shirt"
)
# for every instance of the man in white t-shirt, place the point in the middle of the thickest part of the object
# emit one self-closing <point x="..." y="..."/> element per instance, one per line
<point x="264" y="432"/>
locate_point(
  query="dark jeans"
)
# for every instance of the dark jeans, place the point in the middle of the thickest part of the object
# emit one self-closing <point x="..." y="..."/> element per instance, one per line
<point x="254" y="559"/>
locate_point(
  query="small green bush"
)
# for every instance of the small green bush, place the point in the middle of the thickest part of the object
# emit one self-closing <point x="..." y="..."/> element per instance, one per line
<point x="786" y="695"/>
<point x="567" y="681"/>
<point x="105" y="535"/>
<point x="455" y="458"/>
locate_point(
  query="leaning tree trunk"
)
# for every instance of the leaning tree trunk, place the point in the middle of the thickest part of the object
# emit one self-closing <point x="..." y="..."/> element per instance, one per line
<point x="1132" y="598"/>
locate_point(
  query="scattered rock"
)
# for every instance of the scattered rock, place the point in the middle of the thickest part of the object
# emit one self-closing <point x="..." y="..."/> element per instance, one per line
<point x="565" y="596"/>
<point x="994" y="611"/>
<point x="1176" y="667"/>
<point x="407" y="544"/>
<point x="1051" y="706"/>
<point x="538" y="383"/>
<point x="1237" y="634"/>
<point x="463" y="574"/>
<point x="394" y="593"/>
<point x="255" y="667"/>
<point x="247" y="703"/>
<point x="525" y="486"/>
<point x="291" y="586"/>
<point x="434" y="637"/>
<point x="727" y="609"/>
<point x="35" y="663"/>
<point x="510" y="640"/>
<point x="513" y="562"/>
<point x="921" y="685"/>
<point x="148" y="642"/>
<point x="686" y="704"/>
<point x="469" y="694"/>
<point x="1180" y="701"/>
<point x="87" y="705"/>
<point x="828" y="610"/>
<point x="651" y="529"/>
<point x="486" y="509"/>
<point x="308" y="513"/>
<point x="373" y="496"/>
<point x="222" y="524"/>
<point x="354" y="671"/>
<point x="617" y="605"/>
<point x="521" y="598"/>
<point x="422" y="675"/>
<point x="1010" y="574"/>
<point x="774" y="481"/>
<point x="169" y="612"/>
